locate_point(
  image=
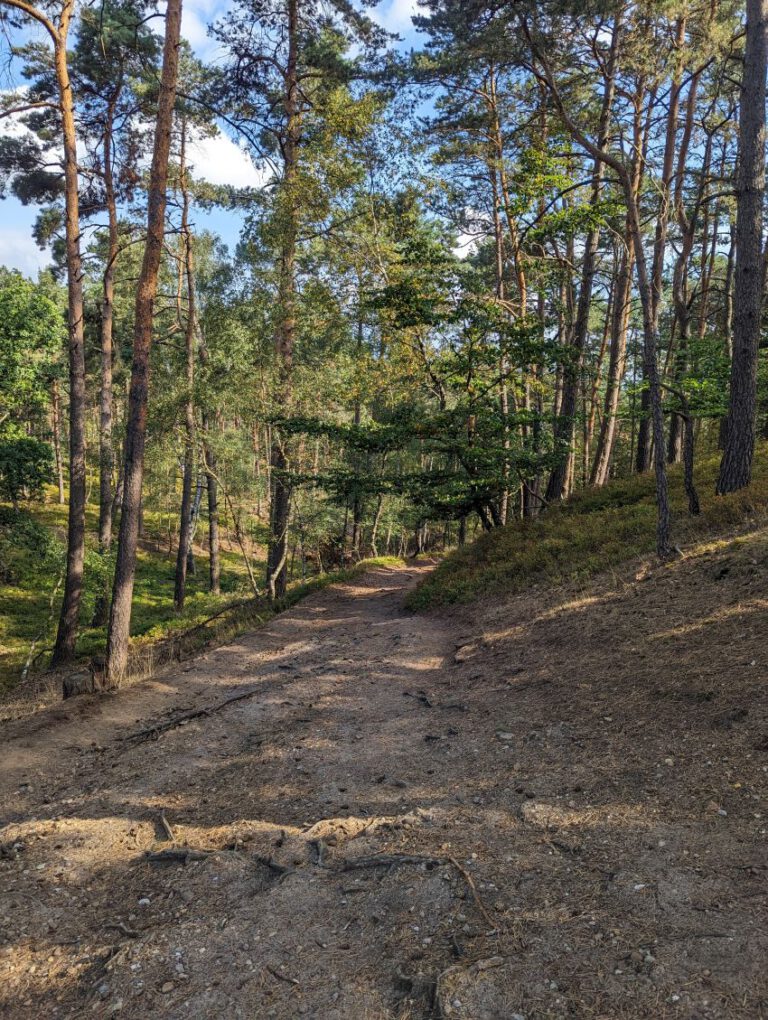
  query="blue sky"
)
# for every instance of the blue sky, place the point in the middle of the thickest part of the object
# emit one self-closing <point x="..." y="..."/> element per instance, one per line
<point x="218" y="160"/>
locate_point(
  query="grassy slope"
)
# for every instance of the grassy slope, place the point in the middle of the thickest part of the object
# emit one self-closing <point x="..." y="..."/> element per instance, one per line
<point x="595" y="530"/>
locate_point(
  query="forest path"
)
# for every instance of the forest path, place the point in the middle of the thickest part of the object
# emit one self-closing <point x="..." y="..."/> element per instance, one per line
<point x="570" y="787"/>
<point x="337" y="735"/>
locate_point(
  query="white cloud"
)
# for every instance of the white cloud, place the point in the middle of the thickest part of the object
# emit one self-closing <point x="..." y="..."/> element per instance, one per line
<point x="395" y="15"/>
<point x="194" y="29"/>
<point x="19" y="251"/>
<point x="219" y="160"/>
<point x="196" y="16"/>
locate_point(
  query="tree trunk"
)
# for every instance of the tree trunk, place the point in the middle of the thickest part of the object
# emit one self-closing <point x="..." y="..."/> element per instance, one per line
<point x="277" y="567"/>
<point x="728" y="323"/>
<point x="736" y="465"/>
<point x="622" y="306"/>
<point x="56" y="422"/>
<point x="190" y="330"/>
<point x="64" y="649"/>
<point x="617" y="361"/>
<point x="561" y="477"/>
<point x="107" y="316"/>
<point x="688" y="454"/>
<point x="106" y="459"/>
<point x="687" y="225"/>
<point x="590" y="411"/>
<point x="133" y="472"/>
<point x="651" y="375"/>
<point x="645" y="436"/>
<point x="214" y="564"/>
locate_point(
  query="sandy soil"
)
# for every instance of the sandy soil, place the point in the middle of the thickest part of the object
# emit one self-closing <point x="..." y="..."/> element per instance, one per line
<point x="569" y="790"/>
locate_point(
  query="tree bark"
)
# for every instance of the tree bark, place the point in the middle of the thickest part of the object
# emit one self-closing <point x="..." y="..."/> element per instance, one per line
<point x="728" y="322"/>
<point x="214" y="555"/>
<point x="558" y="483"/>
<point x="66" y="637"/>
<point x="136" y="425"/>
<point x="687" y="225"/>
<point x="106" y="458"/>
<point x="190" y="332"/>
<point x="280" y="506"/>
<point x="736" y="465"/>
<point x="107" y="316"/>
<point x="617" y="361"/>
<point x="56" y="416"/>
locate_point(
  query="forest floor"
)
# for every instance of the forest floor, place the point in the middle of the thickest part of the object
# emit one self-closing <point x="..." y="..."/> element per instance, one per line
<point x="568" y="788"/>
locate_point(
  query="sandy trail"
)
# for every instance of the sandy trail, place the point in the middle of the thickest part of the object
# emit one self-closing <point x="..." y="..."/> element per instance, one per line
<point x="330" y="735"/>
<point x="575" y="781"/>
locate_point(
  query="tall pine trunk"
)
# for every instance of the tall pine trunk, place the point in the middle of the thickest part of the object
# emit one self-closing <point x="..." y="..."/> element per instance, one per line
<point x="66" y="637"/>
<point x="280" y="505"/>
<point x="106" y="458"/>
<point x="136" y="425"/>
<point x="190" y="330"/>
<point x="736" y="465"/>
<point x="107" y="317"/>
<point x="645" y="436"/>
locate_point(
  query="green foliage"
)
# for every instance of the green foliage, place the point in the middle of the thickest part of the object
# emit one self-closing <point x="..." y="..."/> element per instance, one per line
<point x="32" y="335"/>
<point x="24" y="544"/>
<point x="25" y="466"/>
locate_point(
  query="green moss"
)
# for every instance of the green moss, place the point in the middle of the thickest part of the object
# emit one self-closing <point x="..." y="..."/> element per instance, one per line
<point x="595" y="530"/>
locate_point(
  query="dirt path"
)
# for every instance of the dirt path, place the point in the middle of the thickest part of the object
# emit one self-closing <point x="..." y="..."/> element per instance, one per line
<point x="328" y="742"/>
<point x="573" y="820"/>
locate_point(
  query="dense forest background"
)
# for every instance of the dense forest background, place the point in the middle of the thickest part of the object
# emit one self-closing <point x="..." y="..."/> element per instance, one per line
<point x="520" y="260"/>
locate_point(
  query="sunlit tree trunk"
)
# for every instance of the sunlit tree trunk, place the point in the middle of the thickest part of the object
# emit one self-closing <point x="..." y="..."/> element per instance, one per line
<point x="280" y="504"/>
<point x="64" y="649"/>
<point x="136" y="425"/>
<point x="190" y="332"/>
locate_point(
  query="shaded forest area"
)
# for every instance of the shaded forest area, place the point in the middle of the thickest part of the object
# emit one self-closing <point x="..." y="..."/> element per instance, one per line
<point x="514" y="263"/>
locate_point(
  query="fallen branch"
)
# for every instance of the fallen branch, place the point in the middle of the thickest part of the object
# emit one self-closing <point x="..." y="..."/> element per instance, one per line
<point x="120" y="926"/>
<point x="153" y="732"/>
<point x="167" y="828"/>
<point x="203" y="623"/>
<point x="280" y="977"/>
<point x="391" y="861"/>
<point x="473" y="889"/>
<point x="394" y="860"/>
<point x="184" y="854"/>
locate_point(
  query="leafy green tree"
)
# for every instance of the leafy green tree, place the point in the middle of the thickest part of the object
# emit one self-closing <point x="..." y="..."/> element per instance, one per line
<point x="32" y="340"/>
